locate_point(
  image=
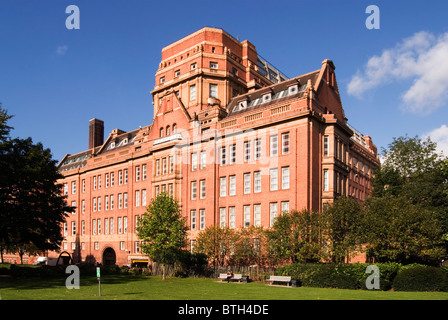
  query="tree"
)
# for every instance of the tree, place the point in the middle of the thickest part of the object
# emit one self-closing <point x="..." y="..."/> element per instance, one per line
<point x="163" y="231"/>
<point x="32" y="209"/>
<point x="345" y="228"/>
<point x="217" y="243"/>
<point x="412" y="169"/>
<point x="297" y="237"/>
<point x="402" y="231"/>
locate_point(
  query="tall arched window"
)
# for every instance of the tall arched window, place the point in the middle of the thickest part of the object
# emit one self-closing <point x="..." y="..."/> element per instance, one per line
<point x="174" y="128"/>
<point x="161" y="132"/>
<point x="168" y="130"/>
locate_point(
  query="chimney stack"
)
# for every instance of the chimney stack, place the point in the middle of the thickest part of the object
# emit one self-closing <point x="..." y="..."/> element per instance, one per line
<point x="96" y="133"/>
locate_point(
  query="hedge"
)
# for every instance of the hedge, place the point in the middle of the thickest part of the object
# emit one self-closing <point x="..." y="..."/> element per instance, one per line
<point x="353" y="276"/>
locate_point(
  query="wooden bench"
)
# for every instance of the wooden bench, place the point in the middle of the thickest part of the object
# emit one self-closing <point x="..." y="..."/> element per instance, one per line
<point x="285" y="279"/>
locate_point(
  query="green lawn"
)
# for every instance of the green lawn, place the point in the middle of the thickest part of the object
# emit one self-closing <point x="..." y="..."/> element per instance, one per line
<point x="127" y="287"/>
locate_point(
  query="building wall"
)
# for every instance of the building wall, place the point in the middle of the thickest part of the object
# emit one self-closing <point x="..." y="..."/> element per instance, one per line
<point x="319" y="153"/>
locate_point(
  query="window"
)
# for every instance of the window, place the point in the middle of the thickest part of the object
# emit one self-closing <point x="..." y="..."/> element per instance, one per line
<point x="137" y="198"/>
<point x="326" y="148"/>
<point x="193" y="66"/>
<point x="157" y="167"/>
<point x="99" y="203"/>
<point x="194" y="161"/>
<point x="222" y="186"/>
<point x="232" y="153"/>
<point x="98" y="223"/>
<point x="272" y="212"/>
<point x="193" y="219"/>
<point x="120" y="225"/>
<point x="257" y="215"/>
<point x="247" y="151"/>
<point x="65" y="228"/>
<point x="74" y="206"/>
<point x="120" y="200"/>
<point x="170" y="189"/>
<point x="161" y="132"/>
<point x="111" y="202"/>
<point x="94" y="183"/>
<point x="232" y="185"/>
<point x="232" y="217"/>
<point x="285" y="143"/>
<point x="193" y="190"/>
<point x="273" y="179"/>
<point x="106" y="202"/>
<point x="137" y="246"/>
<point x="246" y="213"/>
<point x="83" y="185"/>
<point x="94" y="226"/>
<point x="73" y="187"/>
<point x="106" y="176"/>
<point x="125" y="224"/>
<point x="326" y="187"/>
<point x="143" y="173"/>
<point x="223" y="156"/>
<point x="193" y="92"/>
<point x="164" y="166"/>
<point x="125" y="176"/>
<point x="144" y="197"/>
<point x="83" y="228"/>
<point x="285" y="206"/>
<point x="257" y="181"/>
<point x="112" y="179"/>
<point x="137" y="173"/>
<point x="257" y="149"/>
<point x="202" y="186"/>
<point x="94" y="204"/>
<point x="213" y="90"/>
<point x="177" y="73"/>
<point x="213" y="65"/>
<point x="99" y="182"/>
<point x="285" y="178"/>
<point x="125" y="200"/>
<point x="203" y="159"/>
<point x="120" y="177"/>
<point x="162" y="79"/>
<point x="171" y="164"/>
<point x="111" y="225"/>
<point x="202" y="219"/>
<point x="83" y="206"/>
<point x="246" y="183"/>
<point x="222" y="217"/>
<point x="106" y="226"/>
<point x="274" y="145"/>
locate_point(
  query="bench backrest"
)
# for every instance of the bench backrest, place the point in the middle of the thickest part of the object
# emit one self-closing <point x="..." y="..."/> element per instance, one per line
<point x="280" y="278"/>
<point x="237" y="276"/>
<point x="223" y="275"/>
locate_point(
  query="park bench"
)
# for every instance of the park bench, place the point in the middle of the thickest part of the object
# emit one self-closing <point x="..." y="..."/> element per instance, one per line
<point x="284" y="279"/>
<point x="236" y="277"/>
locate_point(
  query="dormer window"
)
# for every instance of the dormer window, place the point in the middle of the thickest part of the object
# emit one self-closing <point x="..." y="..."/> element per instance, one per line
<point x="267" y="97"/>
<point x="293" y="89"/>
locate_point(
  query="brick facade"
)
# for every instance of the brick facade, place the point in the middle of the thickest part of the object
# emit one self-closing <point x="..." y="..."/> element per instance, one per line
<point x="232" y="139"/>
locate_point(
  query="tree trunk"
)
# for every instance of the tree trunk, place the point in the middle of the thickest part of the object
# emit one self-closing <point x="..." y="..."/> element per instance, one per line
<point x="163" y="272"/>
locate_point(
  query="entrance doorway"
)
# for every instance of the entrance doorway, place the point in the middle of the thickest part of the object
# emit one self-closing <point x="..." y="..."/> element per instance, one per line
<point x="109" y="257"/>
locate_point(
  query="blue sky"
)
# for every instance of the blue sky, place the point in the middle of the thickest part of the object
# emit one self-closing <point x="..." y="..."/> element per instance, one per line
<point x="393" y="81"/>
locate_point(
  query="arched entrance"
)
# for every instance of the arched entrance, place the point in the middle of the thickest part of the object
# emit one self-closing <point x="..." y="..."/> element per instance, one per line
<point x="109" y="257"/>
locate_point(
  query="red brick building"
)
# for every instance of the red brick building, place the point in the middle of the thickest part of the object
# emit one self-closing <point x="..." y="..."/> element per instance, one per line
<point x="232" y="139"/>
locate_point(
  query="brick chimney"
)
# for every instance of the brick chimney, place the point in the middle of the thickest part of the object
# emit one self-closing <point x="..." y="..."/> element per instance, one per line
<point x="96" y="133"/>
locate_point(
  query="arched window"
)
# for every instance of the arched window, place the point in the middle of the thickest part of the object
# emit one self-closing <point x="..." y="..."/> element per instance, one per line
<point x="168" y="130"/>
<point x="161" y="132"/>
<point x="174" y="128"/>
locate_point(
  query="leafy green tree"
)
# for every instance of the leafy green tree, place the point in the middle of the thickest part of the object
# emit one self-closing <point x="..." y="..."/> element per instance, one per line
<point x="401" y="231"/>
<point x="32" y="209"/>
<point x="297" y="237"/>
<point x="163" y="231"/>
<point x="345" y="229"/>
<point x="411" y="168"/>
<point x="218" y="244"/>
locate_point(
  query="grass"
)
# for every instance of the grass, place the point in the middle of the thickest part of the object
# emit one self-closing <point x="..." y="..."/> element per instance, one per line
<point x="127" y="287"/>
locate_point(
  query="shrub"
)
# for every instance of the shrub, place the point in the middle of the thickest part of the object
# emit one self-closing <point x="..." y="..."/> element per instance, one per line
<point x="421" y="278"/>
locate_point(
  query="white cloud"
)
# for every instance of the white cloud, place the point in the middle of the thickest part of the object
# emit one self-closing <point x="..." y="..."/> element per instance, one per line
<point x="440" y="136"/>
<point x="422" y="58"/>
<point x="61" y="50"/>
